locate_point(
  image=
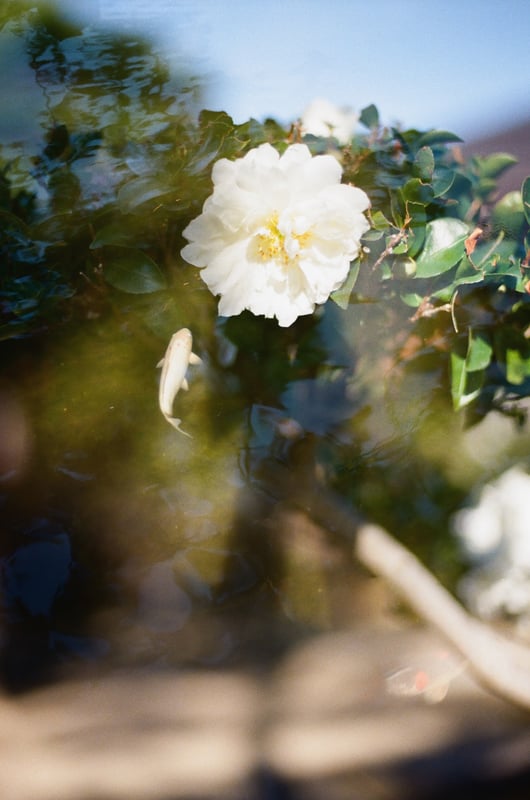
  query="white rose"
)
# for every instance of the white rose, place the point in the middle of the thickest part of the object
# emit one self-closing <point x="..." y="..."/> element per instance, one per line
<point x="495" y="535"/>
<point x="322" y="118"/>
<point x="278" y="233"/>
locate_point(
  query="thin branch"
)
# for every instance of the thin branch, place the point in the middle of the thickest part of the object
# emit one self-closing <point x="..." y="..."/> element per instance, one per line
<point x="389" y="249"/>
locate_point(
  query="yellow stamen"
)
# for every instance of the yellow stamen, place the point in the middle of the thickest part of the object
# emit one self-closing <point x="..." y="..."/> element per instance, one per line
<point x="271" y="245"/>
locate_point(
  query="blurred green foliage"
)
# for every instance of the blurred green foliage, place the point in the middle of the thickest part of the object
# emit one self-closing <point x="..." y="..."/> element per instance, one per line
<point x="93" y="219"/>
<point x="125" y="164"/>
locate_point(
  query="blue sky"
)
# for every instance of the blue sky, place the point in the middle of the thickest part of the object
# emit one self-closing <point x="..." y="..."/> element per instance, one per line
<point x="463" y="65"/>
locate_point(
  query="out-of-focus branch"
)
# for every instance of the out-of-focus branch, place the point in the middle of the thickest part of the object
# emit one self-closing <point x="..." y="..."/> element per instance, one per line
<point x="502" y="665"/>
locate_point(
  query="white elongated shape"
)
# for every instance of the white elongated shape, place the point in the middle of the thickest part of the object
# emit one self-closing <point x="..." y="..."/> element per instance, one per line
<point x="278" y="234"/>
<point x="174" y="365"/>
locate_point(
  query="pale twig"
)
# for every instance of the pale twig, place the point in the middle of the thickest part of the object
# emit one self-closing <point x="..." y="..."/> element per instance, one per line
<point x="389" y="249"/>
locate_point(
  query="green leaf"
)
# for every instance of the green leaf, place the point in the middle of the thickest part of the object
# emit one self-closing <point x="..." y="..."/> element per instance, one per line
<point x="379" y="221"/>
<point x="437" y="137"/>
<point x="468" y="370"/>
<point x="132" y="271"/>
<point x="525" y="191"/>
<point x="412" y="299"/>
<point x="399" y="248"/>
<point x="458" y="380"/>
<point x="58" y="228"/>
<point x="416" y="191"/>
<point x="443" y="179"/>
<point x="494" y="165"/>
<point x="373" y="235"/>
<point x="216" y="119"/>
<point x="444" y="246"/>
<point x="508" y="215"/>
<point x="138" y="191"/>
<point x="113" y="234"/>
<point x="517" y="367"/>
<point x="485" y="187"/>
<point x="370" y="117"/>
<point x="342" y="295"/>
<point x="417" y="228"/>
<point x="479" y="351"/>
<point x="219" y="137"/>
<point x="397" y="207"/>
<point x="424" y="163"/>
<point x="467" y="273"/>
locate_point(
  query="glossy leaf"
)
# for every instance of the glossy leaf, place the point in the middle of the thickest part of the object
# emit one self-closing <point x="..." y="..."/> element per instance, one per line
<point x="444" y="246"/>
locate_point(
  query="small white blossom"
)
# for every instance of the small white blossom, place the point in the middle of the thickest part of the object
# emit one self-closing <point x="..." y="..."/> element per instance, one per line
<point x="278" y="233"/>
<point x="322" y="118"/>
<point x="495" y="536"/>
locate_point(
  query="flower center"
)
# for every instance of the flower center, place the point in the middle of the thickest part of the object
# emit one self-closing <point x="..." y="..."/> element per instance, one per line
<point x="273" y="244"/>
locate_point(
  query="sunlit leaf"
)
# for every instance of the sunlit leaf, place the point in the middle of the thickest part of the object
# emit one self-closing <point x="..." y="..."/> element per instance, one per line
<point x="342" y="296"/>
<point x="412" y="299"/>
<point x="379" y="221"/>
<point x="479" y="351"/>
<point x="517" y="366"/>
<point x="444" y="246"/>
<point x="468" y="370"/>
